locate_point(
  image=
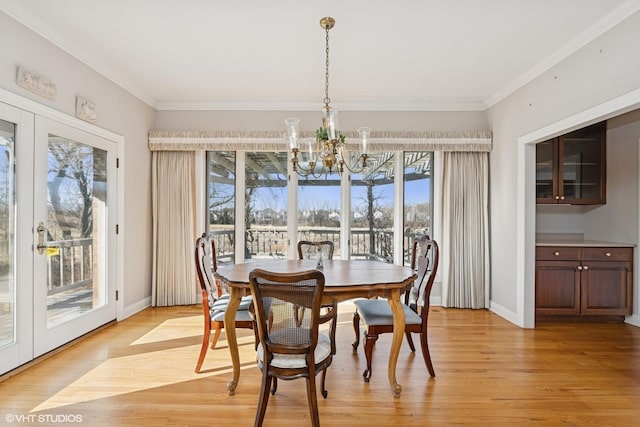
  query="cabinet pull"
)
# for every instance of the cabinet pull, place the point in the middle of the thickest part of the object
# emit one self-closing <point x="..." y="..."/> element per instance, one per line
<point x="607" y="254"/>
<point x="556" y="253"/>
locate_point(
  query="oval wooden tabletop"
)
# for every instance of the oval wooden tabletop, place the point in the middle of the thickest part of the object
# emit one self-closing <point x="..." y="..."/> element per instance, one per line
<point x="338" y="273"/>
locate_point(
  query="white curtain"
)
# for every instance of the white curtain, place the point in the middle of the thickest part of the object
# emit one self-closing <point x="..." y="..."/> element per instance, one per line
<point x="465" y="230"/>
<point x="173" y="210"/>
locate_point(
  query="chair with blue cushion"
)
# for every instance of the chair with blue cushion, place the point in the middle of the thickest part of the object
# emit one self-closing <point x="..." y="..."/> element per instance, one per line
<point x="214" y="299"/>
<point x="291" y="348"/>
<point x="376" y="313"/>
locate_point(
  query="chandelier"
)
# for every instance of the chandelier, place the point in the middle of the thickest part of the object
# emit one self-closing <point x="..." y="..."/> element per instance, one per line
<point x="325" y="153"/>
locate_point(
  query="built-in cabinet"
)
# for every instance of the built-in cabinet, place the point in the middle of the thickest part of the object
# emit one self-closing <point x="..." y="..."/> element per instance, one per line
<point x="571" y="169"/>
<point x="583" y="281"/>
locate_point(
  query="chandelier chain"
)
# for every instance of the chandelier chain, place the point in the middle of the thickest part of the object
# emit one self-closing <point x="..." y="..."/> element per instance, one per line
<point x="326" y="72"/>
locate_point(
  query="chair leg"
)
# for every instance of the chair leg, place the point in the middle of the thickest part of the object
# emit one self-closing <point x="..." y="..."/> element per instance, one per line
<point x="298" y="315"/>
<point x="264" y="397"/>
<point x="369" y="341"/>
<point x="203" y="350"/>
<point x="356" y="330"/>
<point x="274" y="385"/>
<point x="216" y="335"/>
<point x="410" y="341"/>
<point x="325" y="393"/>
<point x="313" y="400"/>
<point x="425" y="353"/>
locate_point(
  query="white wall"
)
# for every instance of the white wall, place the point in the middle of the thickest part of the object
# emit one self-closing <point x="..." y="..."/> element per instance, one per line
<point x="118" y="112"/>
<point x="597" y="82"/>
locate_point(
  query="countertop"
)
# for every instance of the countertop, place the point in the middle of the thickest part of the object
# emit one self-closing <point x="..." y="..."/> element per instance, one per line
<point x="577" y="240"/>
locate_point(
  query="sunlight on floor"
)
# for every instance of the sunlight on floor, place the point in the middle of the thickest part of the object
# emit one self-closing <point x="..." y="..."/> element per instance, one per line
<point x="152" y="368"/>
<point x="172" y="329"/>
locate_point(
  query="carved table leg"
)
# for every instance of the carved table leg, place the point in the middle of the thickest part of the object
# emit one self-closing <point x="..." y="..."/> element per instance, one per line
<point x="229" y="326"/>
<point x="396" y="343"/>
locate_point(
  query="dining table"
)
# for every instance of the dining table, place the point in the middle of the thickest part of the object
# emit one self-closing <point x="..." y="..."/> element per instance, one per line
<point x="344" y="280"/>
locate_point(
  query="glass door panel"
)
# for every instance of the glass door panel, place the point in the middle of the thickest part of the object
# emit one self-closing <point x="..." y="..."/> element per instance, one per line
<point x="16" y="214"/>
<point x="75" y="277"/>
<point x="7" y="234"/>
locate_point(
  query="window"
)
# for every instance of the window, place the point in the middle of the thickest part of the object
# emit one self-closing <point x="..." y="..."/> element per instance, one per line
<point x="370" y="226"/>
<point x="372" y="209"/>
<point x="319" y="210"/>
<point x="266" y="201"/>
<point x="221" y="202"/>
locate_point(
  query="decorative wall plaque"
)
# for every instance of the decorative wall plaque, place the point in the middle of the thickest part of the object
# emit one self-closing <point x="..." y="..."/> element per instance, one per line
<point x="36" y="83"/>
<point x="85" y="109"/>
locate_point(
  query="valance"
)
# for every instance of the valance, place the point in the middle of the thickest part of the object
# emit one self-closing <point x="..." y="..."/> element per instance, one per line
<point x="274" y="141"/>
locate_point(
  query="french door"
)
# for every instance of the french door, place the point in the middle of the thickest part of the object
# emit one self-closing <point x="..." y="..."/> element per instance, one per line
<point x="57" y="249"/>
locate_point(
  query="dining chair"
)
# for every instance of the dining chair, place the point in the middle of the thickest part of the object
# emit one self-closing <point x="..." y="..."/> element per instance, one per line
<point x="287" y="349"/>
<point x="376" y="313"/>
<point x="308" y="249"/>
<point x="215" y="299"/>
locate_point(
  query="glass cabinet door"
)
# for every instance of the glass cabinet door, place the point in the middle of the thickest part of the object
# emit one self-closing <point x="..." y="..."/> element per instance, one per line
<point x="582" y="157"/>
<point x="546" y="188"/>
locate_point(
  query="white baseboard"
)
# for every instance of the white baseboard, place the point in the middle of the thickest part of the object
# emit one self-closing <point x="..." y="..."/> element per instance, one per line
<point x="134" y="308"/>
<point x="633" y="320"/>
<point x="504" y="312"/>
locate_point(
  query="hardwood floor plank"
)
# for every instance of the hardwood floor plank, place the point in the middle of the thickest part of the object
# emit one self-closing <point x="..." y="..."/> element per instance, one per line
<point x="489" y="372"/>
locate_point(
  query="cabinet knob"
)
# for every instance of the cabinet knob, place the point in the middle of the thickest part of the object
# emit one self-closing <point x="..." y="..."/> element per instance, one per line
<point x="579" y="267"/>
<point x="585" y="267"/>
<point x="607" y="254"/>
<point x="562" y="198"/>
<point x="556" y="253"/>
<point x="557" y="197"/>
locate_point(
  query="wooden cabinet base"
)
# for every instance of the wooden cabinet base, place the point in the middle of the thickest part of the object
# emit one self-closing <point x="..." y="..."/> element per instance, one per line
<point x="584" y="283"/>
<point x="555" y="318"/>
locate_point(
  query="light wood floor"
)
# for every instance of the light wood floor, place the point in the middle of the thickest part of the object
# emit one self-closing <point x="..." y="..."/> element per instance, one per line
<point x="489" y="372"/>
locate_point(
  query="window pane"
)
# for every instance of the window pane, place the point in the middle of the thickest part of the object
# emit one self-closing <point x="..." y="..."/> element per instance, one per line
<point x="221" y="196"/>
<point x="417" y="198"/>
<point x="319" y="209"/>
<point x="372" y="209"/>
<point x="76" y="228"/>
<point x="266" y="202"/>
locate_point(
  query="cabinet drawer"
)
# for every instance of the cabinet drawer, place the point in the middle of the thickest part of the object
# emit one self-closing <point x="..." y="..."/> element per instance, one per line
<point x="558" y="253"/>
<point x="607" y="254"/>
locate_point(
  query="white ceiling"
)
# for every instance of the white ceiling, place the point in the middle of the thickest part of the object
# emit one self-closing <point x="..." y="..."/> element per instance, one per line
<point x="269" y="54"/>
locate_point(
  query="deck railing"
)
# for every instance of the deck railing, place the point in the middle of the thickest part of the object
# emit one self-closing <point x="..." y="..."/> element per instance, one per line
<point x="69" y="264"/>
<point x="272" y="242"/>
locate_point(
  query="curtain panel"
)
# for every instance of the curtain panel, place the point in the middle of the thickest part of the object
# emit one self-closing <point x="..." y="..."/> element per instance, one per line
<point x="465" y="230"/>
<point x="173" y="211"/>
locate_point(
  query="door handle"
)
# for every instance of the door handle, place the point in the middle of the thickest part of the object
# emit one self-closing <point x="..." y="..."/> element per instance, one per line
<point x="41" y="244"/>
